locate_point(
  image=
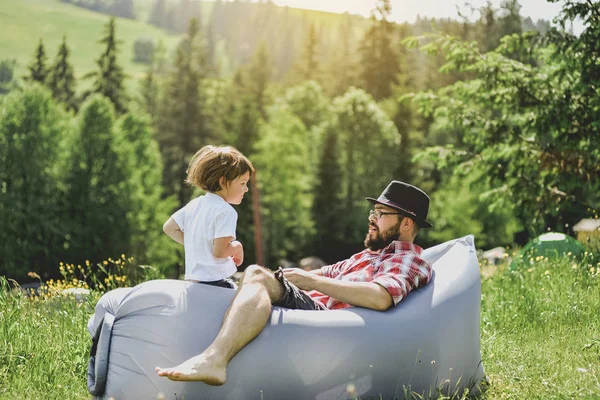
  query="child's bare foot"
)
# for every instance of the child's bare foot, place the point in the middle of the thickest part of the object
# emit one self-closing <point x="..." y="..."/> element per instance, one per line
<point x="197" y="368"/>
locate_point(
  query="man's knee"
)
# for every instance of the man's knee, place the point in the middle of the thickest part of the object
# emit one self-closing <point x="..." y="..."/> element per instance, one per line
<point x="256" y="274"/>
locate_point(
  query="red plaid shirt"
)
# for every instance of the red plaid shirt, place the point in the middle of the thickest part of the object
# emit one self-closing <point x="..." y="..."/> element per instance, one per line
<point x="398" y="268"/>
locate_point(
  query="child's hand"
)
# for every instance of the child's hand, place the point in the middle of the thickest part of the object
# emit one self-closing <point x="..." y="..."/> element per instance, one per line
<point x="238" y="253"/>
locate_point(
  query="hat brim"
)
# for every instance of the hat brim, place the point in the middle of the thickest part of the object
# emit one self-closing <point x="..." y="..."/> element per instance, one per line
<point x="421" y="222"/>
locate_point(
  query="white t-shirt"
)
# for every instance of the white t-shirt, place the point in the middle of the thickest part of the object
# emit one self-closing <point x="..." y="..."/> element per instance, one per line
<point x="202" y="220"/>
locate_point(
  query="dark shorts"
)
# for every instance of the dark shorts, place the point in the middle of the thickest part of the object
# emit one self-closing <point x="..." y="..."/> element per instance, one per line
<point x="295" y="298"/>
<point x="227" y="283"/>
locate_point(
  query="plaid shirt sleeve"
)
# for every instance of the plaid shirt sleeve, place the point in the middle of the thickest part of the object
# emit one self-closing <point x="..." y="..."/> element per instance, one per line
<point x="333" y="270"/>
<point x="402" y="272"/>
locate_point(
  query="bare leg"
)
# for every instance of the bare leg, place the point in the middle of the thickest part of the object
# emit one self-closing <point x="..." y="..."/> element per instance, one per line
<point x="245" y="318"/>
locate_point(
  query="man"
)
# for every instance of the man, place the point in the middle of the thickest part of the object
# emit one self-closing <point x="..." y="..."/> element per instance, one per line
<point x="376" y="278"/>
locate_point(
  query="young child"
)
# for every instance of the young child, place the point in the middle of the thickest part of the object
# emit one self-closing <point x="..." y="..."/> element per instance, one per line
<point x="206" y="225"/>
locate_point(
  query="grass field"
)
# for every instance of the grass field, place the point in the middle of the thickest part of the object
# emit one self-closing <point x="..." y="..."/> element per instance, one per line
<point x="24" y="22"/>
<point x="540" y="335"/>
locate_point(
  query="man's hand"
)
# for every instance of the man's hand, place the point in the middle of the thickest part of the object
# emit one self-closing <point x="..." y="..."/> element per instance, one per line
<point x="238" y="253"/>
<point x="302" y="279"/>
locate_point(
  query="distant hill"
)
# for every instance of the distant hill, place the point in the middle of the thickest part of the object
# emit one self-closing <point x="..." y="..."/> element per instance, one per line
<point x="233" y="35"/>
<point x="24" y="22"/>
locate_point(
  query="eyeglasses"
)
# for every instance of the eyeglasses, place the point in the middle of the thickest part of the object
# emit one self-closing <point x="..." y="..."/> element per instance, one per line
<point x="377" y="214"/>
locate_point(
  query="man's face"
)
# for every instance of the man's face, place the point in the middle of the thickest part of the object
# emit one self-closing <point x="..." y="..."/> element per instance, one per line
<point x="383" y="230"/>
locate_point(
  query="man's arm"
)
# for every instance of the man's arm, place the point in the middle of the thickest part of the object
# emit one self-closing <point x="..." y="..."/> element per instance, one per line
<point x="173" y="230"/>
<point x="361" y="294"/>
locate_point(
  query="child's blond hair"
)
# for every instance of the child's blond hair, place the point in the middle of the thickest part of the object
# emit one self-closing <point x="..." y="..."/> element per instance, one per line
<point x="211" y="163"/>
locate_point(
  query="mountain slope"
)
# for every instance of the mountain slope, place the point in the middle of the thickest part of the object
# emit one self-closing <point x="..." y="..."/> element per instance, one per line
<point x="24" y="22"/>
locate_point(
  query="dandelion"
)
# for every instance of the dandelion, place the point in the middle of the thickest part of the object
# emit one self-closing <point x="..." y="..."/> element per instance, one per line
<point x="351" y="389"/>
<point x="105" y="262"/>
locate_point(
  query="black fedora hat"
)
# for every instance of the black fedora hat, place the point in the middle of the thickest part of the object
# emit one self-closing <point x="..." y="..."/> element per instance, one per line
<point x="409" y="200"/>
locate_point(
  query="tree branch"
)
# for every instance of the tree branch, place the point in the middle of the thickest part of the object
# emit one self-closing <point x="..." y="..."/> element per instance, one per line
<point x="594" y="10"/>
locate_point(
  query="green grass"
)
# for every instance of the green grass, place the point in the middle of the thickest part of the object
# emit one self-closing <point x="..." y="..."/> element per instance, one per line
<point x="44" y="348"/>
<point x="540" y="330"/>
<point x="540" y="336"/>
<point x="24" y="22"/>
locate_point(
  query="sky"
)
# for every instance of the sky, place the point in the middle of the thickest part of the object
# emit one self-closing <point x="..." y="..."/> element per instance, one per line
<point x="407" y="10"/>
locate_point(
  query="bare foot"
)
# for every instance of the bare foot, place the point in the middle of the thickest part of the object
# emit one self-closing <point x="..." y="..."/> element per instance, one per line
<point x="197" y="368"/>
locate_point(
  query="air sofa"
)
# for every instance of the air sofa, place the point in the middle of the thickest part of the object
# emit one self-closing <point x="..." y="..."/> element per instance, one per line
<point x="428" y="342"/>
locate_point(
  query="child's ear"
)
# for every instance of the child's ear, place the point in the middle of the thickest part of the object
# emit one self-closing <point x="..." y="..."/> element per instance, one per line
<point x="222" y="182"/>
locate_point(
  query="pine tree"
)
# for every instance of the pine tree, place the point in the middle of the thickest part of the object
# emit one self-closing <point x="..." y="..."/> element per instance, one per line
<point x="150" y="92"/>
<point x="140" y="156"/>
<point x="98" y="205"/>
<point x="326" y="211"/>
<point x="7" y="68"/>
<point x="379" y="60"/>
<point x="258" y="74"/>
<point x="308" y="67"/>
<point x="38" y="70"/>
<point x="488" y="27"/>
<point x="286" y="51"/>
<point x="182" y="127"/>
<point x="158" y="14"/>
<point x="510" y="21"/>
<point x="342" y="67"/>
<point x="62" y="80"/>
<point x="282" y="160"/>
<point x="32" y="130"/>
<point x="359" y="120"/>
<point x="109" y="76"/>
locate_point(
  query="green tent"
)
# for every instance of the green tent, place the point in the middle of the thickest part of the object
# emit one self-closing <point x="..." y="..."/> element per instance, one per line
<point x="552" y="245"/>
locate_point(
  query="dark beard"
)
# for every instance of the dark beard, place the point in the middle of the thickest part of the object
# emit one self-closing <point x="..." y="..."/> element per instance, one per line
<point x="382" y="241"/>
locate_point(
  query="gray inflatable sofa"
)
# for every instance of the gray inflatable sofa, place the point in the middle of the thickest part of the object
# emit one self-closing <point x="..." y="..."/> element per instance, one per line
<point x="430" y="341"/>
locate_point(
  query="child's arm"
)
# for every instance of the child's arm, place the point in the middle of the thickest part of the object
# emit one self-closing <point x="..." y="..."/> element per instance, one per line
<point x="173" y="230"/>
<point x="227" y="247"/>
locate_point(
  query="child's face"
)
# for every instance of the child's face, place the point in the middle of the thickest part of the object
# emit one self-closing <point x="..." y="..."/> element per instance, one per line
<point x="234" y="190"/>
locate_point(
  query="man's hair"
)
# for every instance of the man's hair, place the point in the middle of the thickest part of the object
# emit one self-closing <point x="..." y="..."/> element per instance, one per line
<point x="416" y="229"/>
<point x="211" y="163"/>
